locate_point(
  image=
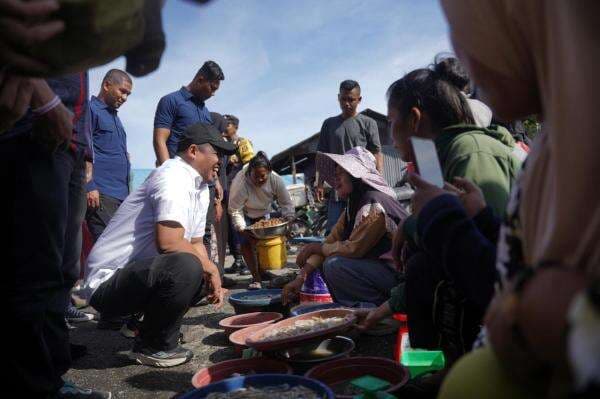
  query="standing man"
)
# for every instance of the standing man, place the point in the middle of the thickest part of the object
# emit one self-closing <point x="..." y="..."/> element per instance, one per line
<point x="110" y="177"/>
<point x="182" y="108"/>
<point x="151" y="259"/>
<point x="343" y="132"/>
<point x="234" y="165"/>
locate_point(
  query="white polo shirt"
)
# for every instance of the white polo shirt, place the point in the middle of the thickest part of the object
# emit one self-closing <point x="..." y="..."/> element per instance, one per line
<point x="172" y="192"/>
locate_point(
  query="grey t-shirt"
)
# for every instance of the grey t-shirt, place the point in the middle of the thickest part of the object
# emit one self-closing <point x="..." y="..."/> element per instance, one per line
<point x="338" y="135"/>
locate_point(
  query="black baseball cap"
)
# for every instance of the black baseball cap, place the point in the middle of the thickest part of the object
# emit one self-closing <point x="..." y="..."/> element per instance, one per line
<point x="203" y="133"/>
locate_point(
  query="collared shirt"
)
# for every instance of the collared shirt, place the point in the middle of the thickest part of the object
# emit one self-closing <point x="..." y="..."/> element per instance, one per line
<point x="173" y="192"/>
<point x="175" y="112"/>
<point x="73" y="92"/>
<point x="111" y="162"/>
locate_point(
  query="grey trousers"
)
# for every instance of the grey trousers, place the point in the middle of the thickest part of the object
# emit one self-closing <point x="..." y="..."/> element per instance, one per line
<point x="361" y="283"/>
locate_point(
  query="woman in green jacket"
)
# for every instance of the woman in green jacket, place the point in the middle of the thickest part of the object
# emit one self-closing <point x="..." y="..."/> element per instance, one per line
<point x="425" y="104"/>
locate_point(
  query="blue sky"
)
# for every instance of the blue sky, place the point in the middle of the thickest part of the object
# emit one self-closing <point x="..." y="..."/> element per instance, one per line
<point x="283" y="62"/>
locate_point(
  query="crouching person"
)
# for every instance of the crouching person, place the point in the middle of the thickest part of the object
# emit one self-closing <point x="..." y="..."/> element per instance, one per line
<point x="151" y="258"/>
<point x="356" y="256"/>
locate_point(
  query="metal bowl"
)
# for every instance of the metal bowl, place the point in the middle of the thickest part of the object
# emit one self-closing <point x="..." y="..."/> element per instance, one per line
<point x="269" y="232"/>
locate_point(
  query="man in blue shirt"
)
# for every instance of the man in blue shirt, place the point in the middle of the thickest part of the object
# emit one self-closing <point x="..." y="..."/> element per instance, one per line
<point x="109" y="185"/>
<point x="183" y="108"/>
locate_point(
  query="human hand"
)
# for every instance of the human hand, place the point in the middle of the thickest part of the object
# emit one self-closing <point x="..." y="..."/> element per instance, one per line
<point x="216" y="293"/>
<point x="424" y="192"/>
<point x="15" y="98"/>
<point x="306" y="252"/>
<point x="55" y="127"/>
<point x="93" y="199"/>
<point x="291" y="290"/>
<point x="89" y="171"/>
<point x="24" y="24"/>
<point x="320" y="193"/>
<point x="469" y="194"/>
<point x="373" y="317"/>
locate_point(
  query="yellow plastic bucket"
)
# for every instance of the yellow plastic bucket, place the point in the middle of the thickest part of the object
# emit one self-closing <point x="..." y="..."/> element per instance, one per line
<point x="272" y="253"/>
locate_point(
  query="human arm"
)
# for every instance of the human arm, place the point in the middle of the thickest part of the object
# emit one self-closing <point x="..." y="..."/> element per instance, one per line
<point x="284" y="199"/>
<point x="379" y="161"/>
<point x="375" y="315"/>
<point x="164" y="117"/>
<point x="170" y="238"/>
<point x="238" y="196"/>
<point x="160" y="145"/>
<point x="322" y="146"/>
<point x="363" y="237"/>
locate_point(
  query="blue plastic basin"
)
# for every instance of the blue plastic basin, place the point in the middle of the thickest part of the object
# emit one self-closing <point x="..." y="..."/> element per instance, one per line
<point x="260" y="381"/>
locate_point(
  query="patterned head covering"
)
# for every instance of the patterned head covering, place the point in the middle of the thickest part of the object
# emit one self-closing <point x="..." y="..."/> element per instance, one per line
<point x="357" y="161"/>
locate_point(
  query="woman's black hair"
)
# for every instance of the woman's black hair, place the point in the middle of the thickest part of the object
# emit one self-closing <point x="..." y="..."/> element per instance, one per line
<point x="434" y="91"/>
<point x="260" y="160"/>
<point x="454" y="71"/>
<point x="359" y="188"/>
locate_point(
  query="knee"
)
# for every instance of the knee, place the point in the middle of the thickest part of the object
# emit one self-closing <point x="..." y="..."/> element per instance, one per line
<point x="332" y="265"/>
<point x="187" y="266"/>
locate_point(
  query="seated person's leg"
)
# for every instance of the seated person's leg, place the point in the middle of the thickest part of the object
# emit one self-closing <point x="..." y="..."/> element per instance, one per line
<point x="479" y="375"/>
<point x="162" y="288"/>
<point x="359" y="282"/>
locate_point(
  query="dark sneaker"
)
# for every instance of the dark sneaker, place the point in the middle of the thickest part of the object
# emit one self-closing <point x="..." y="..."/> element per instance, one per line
<point x="75" y="315"/>
<point x="110" y="323"/>
<point x="155" y="358"/>
<point x="237" y="266"/>
<point x="131" y="328"/>
<point x="244" y="272"/>
<point x="71" y="391"/>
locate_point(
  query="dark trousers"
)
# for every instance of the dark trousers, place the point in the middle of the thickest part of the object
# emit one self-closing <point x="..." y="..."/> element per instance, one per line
<point x="162" y="288"/>
<point x="97" y="219"/>
<point x="44" y="203"/>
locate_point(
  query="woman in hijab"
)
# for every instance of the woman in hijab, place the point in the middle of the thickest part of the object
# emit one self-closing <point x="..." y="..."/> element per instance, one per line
<point x="355" y="256"/>
<point x="540" y="57"/>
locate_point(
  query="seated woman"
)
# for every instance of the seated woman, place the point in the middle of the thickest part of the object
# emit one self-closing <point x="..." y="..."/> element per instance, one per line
<point x="252" y="192"/>
<point x="355" y="256"/>
<point x="425" y="103"/>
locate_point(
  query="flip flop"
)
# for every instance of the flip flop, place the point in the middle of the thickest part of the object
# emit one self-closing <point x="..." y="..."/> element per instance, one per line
<point x="255" y="286"/>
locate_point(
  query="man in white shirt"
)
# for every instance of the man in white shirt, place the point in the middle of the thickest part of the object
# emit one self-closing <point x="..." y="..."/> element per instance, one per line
<point x="151" y="259"/>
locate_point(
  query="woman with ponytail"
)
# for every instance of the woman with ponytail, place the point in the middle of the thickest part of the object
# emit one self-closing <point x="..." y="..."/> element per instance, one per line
<point x="252" y="192"/>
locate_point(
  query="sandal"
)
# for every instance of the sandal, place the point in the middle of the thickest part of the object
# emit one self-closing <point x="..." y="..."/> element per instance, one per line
<point x="256" y="285"/>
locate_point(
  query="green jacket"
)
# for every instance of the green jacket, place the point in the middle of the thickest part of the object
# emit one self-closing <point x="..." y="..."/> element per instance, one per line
<point x="487" y="157"/>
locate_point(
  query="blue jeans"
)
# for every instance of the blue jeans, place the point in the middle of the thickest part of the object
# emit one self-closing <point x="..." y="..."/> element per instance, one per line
<point x="334" y="211"/>
<point x="359" y="283"/>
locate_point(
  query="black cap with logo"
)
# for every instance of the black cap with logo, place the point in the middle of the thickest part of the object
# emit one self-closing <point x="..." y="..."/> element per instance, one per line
<point x="203" y="133"/>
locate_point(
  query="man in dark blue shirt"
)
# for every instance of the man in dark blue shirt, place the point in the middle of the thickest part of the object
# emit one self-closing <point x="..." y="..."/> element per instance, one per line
<point x="109" y="185"/>
<point x="183" y="108"/>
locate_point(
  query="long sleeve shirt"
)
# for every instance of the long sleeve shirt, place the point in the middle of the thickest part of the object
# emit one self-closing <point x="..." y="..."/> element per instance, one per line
<point x="245" y="198"/>
<point x="364" y="236"/>
<point x="111" y="161"/>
